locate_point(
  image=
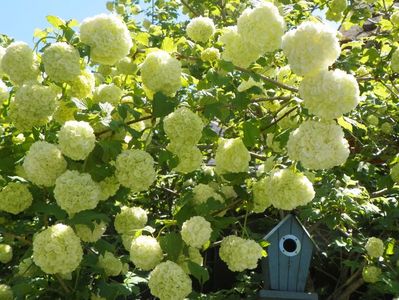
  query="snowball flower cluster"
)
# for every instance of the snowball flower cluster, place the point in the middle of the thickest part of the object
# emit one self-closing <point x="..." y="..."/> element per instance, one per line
<point x="240" y="254"/>
<point x="371" y="274"/>
<point x="161" y="72"/>
<point x="65" y="112"/>
<point x="76" y="139"/>
<point x="374" y="247"/>
<point x="75" y="192"/>
<point x="145" y="252"/>
<point x="203" y="192"/>
<point x="200" y="29"/>
<point x="210" y="54"/>
<point x="19" y="63"/>
<point x="311" y="47"/>
<point x="135" y="170"/>
<point x="168" y="281"/>
<point x="318" y="145"/>
<point x="61" y="62"/>
<point x="130" y="219"/>
<point x="112" y="265"/>
<point x="88" y="234"/>
<point x="44" y="163"/>
<point x="109" y="186"/>
<point x="196" y="231"/>
<point x="395" y="173"/>
<point x="261" y="27"/>
<point x="15" y="198"/>
<point x="258" y="31"/>
<point x="83" y="85"/>
<point x="108" y="37"/>
<point x="395" y="61"/>
<point x="183" y="126"/>
<point x="330" y="94"/>
<point x="107" y="93"/>
<point x="6" y="292"/>
<point x="284" y="189"/>
<point x="190" y="157"/>
<point x="5" y="253"/>
<point x="57" y="249"/>
<point x="231" y="156"/>
<point x="126" y="66"/>
<point x="33" y="105"/>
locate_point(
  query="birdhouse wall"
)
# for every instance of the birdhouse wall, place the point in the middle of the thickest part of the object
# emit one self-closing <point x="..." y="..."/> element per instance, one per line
<point x="288" y="273"/>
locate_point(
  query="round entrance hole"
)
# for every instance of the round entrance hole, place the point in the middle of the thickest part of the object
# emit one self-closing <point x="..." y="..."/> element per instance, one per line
<point x="290" y="245"/>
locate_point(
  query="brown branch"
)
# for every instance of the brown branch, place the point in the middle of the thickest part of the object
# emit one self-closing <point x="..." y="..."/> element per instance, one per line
<point x="189" y="8"/>
<point x="280" y="118"/>
<point x="63" y="284"/>
<point x="350" y="289"/>
<point x="258" y="156"/>
<point x="127" y="123"/>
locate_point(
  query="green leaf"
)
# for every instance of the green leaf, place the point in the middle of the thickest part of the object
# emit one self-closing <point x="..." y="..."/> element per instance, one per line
<point x="51" y="209"/>
<point x="251" y="133"/>
<point x="345" y="124"/>
<point x="199" y="272"/>
<point x="163" y="105"/>
<point x="87" y="217"/>
<point x="168" y="45"/>
<point x="172" y="244"/>
<point x="55" y="21"/>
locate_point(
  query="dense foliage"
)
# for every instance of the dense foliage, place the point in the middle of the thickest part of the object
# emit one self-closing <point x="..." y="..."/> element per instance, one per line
<point x="146" y="152"/>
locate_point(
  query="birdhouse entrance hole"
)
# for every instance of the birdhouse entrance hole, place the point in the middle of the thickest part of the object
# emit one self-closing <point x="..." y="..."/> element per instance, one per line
<point x="290" y="245"/>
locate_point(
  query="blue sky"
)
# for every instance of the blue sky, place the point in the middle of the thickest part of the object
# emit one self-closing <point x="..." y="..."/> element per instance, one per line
<point x="19" y="18"/>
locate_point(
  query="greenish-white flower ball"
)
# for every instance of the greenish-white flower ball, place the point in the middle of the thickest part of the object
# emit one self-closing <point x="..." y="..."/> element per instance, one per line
<point x="374" y="247"/>
<point x="130" y="219"/>
<point x="83" y="85"/>
<point x="210" y="54"/>
<point x="5" y="253"/>
<point x="107" y="93"/>
<point x="135" y="170"/>
<point x="6" y="292"/>
<point x="318" y="145"/>
<point x="57" y="249"/>
<point x="196" y="231"/>
<point x="76" y="139"/>
<point x="90" y="235"/>
<point x="44" y="163"/>
<point x="203" y="192"/>
<point x="112" y="265"/>
<point x="200" y="29"/>
<point x="231" y="156"/>
<point x="145" y="252"/>
<point x="168" y="281"/>
<point x="371" y="274"/>
<point x="61" y="62"/>
<point x="75" y="192"/>
<point x="109" y="186"/>
<point x="15" y="198"/>
<point x="108" y="37"/>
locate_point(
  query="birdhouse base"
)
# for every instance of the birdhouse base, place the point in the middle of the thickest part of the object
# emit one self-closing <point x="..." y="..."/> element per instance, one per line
<point x="282" y="295"/>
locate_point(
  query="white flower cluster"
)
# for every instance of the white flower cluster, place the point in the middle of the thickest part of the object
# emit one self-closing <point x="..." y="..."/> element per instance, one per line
<point x="330" y="94"/>
<point x="196" y="231"/>
<point x="15" y="198"/>
<point x="75" y="192"/>
<point x="61" y="62"/>
<point x="126" y="66"/>
<point x="65" y="112"/>
<point x="168" y="281"/>
<point x="284" y="189"/>
<point x="240" y="254"/>
<point x="231" y="156"/>
<point x="145" y="252"/>
<point x="161" y="72"/>
<point x="88" y="235"/>
<point x="259" y="30"/>
<point x="6" y="292"/>
<point x="135" y="170"/>
<point x="200" y="29"/>
<point x="184" y="130"/>
<point x="5" y="253"/>
<point x="76" y="139"/>
<point x="83" y="85"/>
<point x="130" y="219"/>
<point x="108" y="37"/>
<point x="19" y="63"/>
<point x="57" y="249"/>
<point x="318" y="145"/>
<point x="44" y="163"/>
<point x="109" y="186"/>
<point x="371" y="274"/>
<point x="112" y="265"/>
<point x="107" y="93"/>
<point x="374" y="247"/>
<point x="395" y="173"/>
<point x="311" y="47"/>
<point x="33" y="105"/>
<point x="210" y="54"/>
<point x="203" y="192"/>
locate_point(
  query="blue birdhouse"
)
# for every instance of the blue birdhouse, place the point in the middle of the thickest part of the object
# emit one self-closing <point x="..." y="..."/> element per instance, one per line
<point x="286" y="268"/>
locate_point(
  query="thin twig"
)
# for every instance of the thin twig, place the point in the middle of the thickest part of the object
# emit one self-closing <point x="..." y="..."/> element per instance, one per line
<point x="189" y="8"/>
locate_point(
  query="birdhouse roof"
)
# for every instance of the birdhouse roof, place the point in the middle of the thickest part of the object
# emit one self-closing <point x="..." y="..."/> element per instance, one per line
<point x="283" y="221"/>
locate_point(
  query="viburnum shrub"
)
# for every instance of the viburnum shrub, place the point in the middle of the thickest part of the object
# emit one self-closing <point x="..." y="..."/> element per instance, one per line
<point x="146" y="152"/>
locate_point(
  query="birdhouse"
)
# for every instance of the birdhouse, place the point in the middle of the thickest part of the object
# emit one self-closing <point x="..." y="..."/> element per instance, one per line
<point x="286" y="268"/>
